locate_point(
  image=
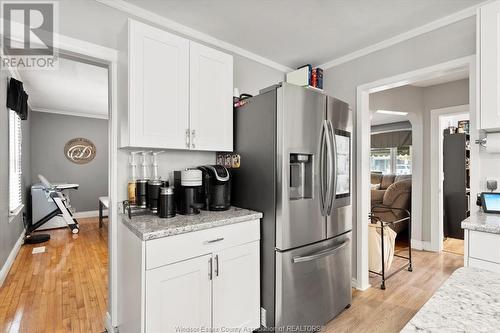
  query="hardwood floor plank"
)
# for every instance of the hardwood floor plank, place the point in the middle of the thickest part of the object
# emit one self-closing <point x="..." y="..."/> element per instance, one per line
<point x="385" y="311"/>
<point x="62" y="290"/>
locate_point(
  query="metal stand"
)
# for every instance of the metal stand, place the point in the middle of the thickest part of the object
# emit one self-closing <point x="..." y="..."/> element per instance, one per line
<point x="376" y="220"/>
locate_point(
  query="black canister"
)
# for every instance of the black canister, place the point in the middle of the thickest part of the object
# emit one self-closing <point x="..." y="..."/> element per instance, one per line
<point x="141" y="192"/>
<point x="154" y="194"/>
<point x="166" y="204"/>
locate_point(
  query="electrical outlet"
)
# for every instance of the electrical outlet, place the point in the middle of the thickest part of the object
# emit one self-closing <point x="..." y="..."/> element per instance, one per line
<point x="39" y="249"/>
<point x="263" y="317"/>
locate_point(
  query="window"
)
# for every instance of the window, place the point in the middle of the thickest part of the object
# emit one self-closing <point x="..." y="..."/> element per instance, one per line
<point x="15" y="167"/>
<point x="391" y="160"/>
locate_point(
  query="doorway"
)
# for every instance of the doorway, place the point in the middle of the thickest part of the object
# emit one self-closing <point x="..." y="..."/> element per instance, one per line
<point x="88" y="53"/>
<point x="419" y="230"/>
<point x="443" y="121"/>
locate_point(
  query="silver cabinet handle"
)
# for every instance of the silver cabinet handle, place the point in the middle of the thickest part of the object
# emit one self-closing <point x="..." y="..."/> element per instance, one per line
<point x="187" y="138"/>
<point x="210" y="268"/>
<point x="216" y="265"/>
<point x="213" y="240"/>
<point x="193" y="134"/>
<point x="320" y="254"/>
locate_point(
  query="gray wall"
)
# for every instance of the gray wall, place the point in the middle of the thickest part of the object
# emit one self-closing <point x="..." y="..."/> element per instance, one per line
<point x="49" y="134"/>
<point x="10" y="231"/>
<point x="451" y="42"/>
<point x="419" y="102"/>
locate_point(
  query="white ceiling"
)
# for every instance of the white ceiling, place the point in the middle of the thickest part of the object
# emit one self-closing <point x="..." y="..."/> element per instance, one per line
<point x="295" y="32"/>
<point x="74" y="88"/>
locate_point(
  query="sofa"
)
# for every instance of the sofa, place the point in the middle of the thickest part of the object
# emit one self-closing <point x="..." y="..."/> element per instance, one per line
<point x="391" y="191"/>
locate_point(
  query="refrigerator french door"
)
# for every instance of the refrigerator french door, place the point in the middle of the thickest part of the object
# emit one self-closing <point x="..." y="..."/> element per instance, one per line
<point x="295" y="145"/>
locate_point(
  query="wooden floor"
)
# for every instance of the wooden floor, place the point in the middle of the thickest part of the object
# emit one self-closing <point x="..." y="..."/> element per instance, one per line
<point x="61" y="290"/>
<point x="454" y="245"/>
<point x="386" y="311"/>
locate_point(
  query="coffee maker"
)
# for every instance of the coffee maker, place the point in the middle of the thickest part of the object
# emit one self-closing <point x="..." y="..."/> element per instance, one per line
<point x="188" y="186"/>
<point x="216" y="187"/>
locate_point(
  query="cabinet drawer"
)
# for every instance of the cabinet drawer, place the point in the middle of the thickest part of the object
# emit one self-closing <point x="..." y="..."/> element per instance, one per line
<point x="171" y="249"/>
<point x="489" y="266"/>
<point x="484" y="246"/>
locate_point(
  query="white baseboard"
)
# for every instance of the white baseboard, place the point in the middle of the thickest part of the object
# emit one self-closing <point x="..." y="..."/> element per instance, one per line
<point x="421" y="245"/>
<point x="10" y="259"/>
<point x="89" y="213"/>
<point x="108" y="325"/>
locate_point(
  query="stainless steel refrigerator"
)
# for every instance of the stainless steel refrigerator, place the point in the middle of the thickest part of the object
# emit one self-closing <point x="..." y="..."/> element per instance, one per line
<point x="295" y="147"/>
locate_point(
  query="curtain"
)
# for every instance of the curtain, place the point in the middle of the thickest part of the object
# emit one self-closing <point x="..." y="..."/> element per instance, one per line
<point x="391" y="139"/>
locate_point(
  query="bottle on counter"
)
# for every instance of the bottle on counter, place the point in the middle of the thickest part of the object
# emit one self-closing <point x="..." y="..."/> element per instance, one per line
<point x="132" y="182"/>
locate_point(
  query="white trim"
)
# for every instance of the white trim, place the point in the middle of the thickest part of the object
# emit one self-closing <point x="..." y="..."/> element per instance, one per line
<point x="190" y="32"/>
<point x="71" y="113"/>
<point x="15" y="212"/>
<point x="87" y="214"/>
<point x="421" y="245"/>
<point x="363" y="149"/>
<point x="434" y="25"/>
<point x="435" y="159"/>
<point x="107" y="324"/>
<point x="10" y="259"/>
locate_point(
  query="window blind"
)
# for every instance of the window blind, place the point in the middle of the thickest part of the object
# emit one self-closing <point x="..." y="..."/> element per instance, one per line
<point x="15" y="163"/>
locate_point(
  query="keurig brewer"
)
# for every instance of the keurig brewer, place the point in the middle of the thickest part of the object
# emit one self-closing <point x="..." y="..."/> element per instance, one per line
<point x="216" y="188"/>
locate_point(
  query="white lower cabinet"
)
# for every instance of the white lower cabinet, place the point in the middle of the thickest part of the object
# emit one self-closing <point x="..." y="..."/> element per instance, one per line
<point x="236" y="293"/>
<point x="482" y="250"/>
<point x="202" y="281"/>
<point x="178" y="296"/>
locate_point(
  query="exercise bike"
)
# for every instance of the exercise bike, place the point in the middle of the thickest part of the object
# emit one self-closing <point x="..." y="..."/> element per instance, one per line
<point x="60" y="204"/>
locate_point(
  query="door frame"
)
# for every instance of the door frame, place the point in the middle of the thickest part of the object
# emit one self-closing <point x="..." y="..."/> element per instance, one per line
<point x="107" y="57"/>
<point x="363" y="151"/>
<point x="436" y="165"/>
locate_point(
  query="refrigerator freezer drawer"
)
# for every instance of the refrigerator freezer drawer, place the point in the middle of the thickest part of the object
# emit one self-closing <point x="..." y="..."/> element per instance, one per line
<point x="313" y="283"/>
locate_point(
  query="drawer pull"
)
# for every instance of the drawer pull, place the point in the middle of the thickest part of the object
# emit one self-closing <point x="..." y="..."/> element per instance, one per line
<point x="214" y="240"/>
<point x="216" y="265"/>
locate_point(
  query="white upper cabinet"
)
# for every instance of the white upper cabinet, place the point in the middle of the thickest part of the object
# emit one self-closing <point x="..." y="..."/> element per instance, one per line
<point x="180" y="93"/>
<point x="211" y="89"/>
<point x="489" y="62"/>
<point x="158" y="88"/>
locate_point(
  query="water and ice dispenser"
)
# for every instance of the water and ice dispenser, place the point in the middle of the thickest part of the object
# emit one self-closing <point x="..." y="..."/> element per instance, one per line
<point x="301" y="176"/>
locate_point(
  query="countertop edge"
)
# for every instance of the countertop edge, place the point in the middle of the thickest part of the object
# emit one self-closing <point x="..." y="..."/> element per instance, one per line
<point x="182" y="230"/>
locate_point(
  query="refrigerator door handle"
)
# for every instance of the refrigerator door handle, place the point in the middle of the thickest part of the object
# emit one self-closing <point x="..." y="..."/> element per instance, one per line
<point x="320" y="254"/>
<point x="324" y="142"/>
<point x="321" y="148"/>
<point x="333" y="168"/>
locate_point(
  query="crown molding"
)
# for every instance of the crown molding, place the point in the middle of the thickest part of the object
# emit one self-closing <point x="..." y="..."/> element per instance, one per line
<point x="71" y="113"/>
<point x="147" y="15"/>
<point x="434" y="25"/>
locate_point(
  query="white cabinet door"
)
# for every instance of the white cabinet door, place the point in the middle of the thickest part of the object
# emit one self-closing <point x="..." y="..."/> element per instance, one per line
<point x="158" y="88"/>
<point x="490" y="65"/>
<point x="211" y="99"/>
<point x="178" y="296"/>
<point x="236" y="287"/>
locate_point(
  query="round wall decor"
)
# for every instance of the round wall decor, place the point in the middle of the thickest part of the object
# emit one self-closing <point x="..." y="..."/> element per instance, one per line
<point x="80" y="150"/>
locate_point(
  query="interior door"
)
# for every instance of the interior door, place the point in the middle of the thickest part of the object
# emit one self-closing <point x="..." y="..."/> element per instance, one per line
<point x="158" y="87"/>
<point x="211" y="99"/>
<point x="301" y="137"/>
<point x="179" y="296"/>
<point x="339" y="219"/>
<point x="236" y="288"/>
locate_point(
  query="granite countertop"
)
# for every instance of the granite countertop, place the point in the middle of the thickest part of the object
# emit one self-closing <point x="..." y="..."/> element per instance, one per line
<point x="148" y="227"/>
<point x="469" y="301"/>
<point x="481" y="221"/>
